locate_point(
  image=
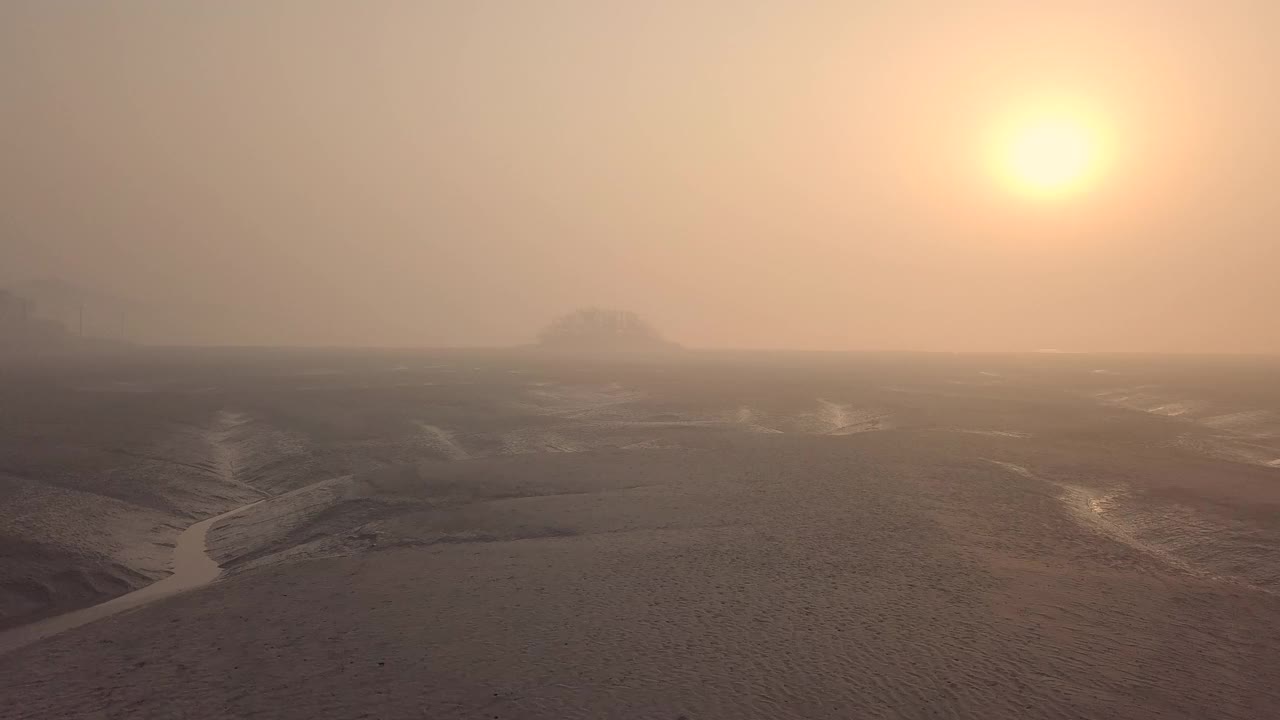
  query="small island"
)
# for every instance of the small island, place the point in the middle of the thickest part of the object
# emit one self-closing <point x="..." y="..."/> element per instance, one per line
<point x="601" y="329"/>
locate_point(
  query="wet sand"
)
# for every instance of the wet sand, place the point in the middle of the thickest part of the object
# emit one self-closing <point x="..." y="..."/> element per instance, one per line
<point x="745" y="537"/>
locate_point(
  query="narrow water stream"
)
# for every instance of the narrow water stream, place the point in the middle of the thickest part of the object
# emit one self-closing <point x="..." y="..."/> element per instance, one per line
<point x="192" y="568"/>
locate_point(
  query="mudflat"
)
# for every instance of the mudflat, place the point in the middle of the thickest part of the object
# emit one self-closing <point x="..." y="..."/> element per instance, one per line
<point x="698" y="535"/>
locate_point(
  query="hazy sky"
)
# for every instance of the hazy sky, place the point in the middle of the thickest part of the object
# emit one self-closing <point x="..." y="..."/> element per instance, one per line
<point x="746" y="174"/>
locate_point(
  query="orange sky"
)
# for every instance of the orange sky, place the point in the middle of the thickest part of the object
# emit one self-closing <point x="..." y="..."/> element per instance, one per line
<point x="745" y="174"/>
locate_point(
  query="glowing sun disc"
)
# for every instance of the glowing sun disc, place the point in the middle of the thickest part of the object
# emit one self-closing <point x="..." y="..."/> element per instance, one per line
<point x="1051" y="153"/>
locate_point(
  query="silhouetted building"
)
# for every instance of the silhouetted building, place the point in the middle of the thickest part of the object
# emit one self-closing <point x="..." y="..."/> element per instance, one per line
<point x="23" y="332"/>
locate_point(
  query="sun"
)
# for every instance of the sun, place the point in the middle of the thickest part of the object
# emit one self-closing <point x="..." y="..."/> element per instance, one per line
<point x="1050" y="152"/>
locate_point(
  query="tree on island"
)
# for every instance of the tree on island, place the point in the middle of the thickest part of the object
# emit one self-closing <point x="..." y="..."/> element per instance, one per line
<point x="601" y="329"/>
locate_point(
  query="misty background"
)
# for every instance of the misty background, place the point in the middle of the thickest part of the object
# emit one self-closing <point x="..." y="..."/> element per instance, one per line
<point x="742" y="174"/>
